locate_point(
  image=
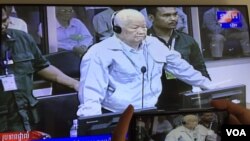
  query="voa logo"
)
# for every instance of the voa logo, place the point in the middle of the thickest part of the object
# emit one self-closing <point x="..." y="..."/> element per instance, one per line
<point x="236" y="132"/>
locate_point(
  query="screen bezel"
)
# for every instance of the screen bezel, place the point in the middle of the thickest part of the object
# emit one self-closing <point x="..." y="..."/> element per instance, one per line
<point x="175" y="5"/>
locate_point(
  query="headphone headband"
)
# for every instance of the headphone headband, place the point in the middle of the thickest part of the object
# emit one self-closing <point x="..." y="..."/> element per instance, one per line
<point x="116" y="28"/>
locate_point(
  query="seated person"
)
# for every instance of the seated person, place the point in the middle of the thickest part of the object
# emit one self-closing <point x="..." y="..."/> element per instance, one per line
<point x="219" y="35"/>
<point x="102" y="24"/>
<point x="72" y="34"/>
<point x="182" y="20"/>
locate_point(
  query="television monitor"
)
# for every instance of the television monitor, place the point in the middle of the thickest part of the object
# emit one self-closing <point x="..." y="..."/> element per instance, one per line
<point x="229" y="19"/>
<point x="236" y="94"/>
<point x="41" y="22"/>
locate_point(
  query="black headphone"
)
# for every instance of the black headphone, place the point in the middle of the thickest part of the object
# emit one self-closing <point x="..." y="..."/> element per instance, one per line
<point x="116" y="28"/>
<point x="183" y="122"/>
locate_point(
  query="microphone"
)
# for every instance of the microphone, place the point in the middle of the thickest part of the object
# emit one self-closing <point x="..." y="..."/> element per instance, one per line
<point x="143" y="70"/>
<point x="195" y="135"/>
<point x="210" y="125"/>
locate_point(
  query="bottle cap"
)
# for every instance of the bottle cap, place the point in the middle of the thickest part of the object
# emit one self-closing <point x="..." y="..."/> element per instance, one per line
<point x="75" y="122"/>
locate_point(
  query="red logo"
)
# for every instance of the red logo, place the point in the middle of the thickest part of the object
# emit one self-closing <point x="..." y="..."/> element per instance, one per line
<point x="23" y="136"/>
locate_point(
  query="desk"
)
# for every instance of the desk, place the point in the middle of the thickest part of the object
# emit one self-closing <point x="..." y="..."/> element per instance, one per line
<point x="248" y="105"/>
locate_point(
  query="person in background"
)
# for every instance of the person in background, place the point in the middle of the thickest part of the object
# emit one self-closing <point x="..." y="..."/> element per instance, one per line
<point x="15" y="22"/>
<point x="90" y="12"/>
<point x="218" y="35"/>
<point x="102" y="24"/>
<point x="176" y="120"/>
<point x="208" y="119"/>
<point x="238" y="115"/>
<point x="182" y="24"/>
<point x="113" y="70"/>
<point x="20" y="59"/>
<point x="72" y="34"/>
<point x="142" y="133"/>
<point x="164" y="22"/>
<point x="163" y="127"/>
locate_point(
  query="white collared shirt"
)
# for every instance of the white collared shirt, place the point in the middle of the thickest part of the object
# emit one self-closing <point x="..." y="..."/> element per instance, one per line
<point x="76" y="34"/>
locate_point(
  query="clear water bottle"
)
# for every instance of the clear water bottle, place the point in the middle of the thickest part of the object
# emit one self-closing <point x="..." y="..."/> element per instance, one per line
<point x="73" y="129"/>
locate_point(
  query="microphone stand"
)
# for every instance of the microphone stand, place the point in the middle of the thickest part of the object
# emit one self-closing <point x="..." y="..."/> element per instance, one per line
<point x="143" y="70"/>
<point x="140" y="133"/>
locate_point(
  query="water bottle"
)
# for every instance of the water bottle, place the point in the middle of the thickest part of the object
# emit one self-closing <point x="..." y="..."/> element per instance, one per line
<point x="73" y="129"/>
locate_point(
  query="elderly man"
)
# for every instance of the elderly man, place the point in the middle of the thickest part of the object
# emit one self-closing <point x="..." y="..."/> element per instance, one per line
<point x="190" y="130"/>
<point x="114" y="71"/>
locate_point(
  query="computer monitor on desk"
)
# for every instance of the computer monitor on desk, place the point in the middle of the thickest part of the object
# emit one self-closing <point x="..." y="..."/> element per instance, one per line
<point x="236" y="94"/>
<point x="104" y="123"/>
<point x="56" y="113"/>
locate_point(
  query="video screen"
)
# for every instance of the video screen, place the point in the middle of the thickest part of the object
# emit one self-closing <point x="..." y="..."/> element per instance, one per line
<point x="229" y="19"/>
<point x="84" y="42"/>
<point x="194" y="125"/>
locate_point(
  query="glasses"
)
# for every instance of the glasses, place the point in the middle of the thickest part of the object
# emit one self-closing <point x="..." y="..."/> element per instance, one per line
<point x="66" y="10"/>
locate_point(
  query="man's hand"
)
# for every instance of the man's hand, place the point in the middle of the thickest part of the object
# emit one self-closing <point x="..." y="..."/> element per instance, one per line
<point x="238" y="114"/>
<point x="76" y="86"/>
<point x="89" y="109"/>
<point x="80" y="50"/>
<point x="54" y="74"/>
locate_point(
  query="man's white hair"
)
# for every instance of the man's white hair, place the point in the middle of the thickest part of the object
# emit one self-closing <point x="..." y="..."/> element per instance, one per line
<point x="187" y="118"/>
<point x="124" y="16"/>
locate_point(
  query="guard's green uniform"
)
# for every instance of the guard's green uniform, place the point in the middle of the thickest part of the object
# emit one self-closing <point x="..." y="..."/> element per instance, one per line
<point x="190" y="51"/>
<point x="17" y="108"/>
